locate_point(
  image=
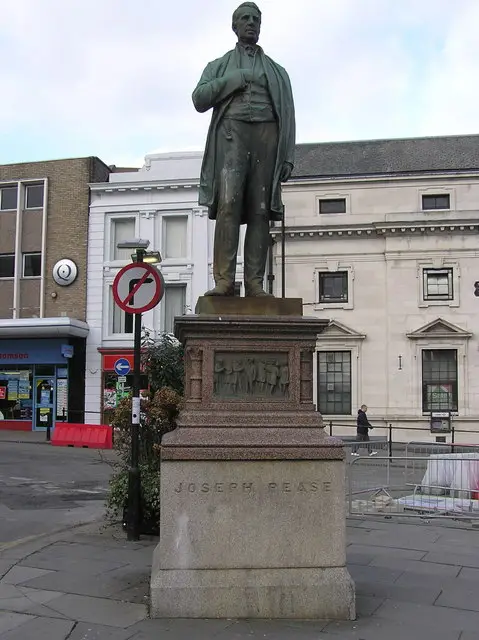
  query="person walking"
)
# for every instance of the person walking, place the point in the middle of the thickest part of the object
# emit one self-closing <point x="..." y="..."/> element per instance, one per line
<point x="362" y="432"/>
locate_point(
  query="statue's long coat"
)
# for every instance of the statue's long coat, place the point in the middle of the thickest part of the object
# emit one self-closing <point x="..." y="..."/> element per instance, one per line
<point x="218" y="85"/>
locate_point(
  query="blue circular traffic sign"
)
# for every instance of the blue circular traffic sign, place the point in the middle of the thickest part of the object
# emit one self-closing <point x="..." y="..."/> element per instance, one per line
<point x="122" y="367"/>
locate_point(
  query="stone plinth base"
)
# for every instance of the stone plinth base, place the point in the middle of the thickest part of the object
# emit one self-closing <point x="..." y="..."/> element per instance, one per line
<point x="253" y="593"/>
<point x="252" y="539"/>
<point x="253" y="521"/>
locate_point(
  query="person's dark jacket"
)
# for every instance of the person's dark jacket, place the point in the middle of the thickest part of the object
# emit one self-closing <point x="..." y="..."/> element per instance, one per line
<point x="362" y="422"/>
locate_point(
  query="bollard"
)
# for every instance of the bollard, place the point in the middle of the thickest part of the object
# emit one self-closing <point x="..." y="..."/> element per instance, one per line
<point x="330" y="427"/>
<point x="453" y="438"/>
<point x="390" y="441"/>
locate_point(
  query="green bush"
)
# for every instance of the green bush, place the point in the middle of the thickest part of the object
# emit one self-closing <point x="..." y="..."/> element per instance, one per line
<point x="163" y="362"/>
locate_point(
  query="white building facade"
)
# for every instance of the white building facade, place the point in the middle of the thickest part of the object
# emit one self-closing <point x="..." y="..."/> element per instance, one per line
<point x="159" y="202"/>
<point x="382" y="239"/>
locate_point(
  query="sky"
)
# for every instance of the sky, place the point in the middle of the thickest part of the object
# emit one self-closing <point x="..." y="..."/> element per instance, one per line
<point x="113" y="78"/>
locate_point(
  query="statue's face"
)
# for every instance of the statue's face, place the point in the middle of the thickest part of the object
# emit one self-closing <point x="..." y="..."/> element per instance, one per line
<point x="248" y="25"/>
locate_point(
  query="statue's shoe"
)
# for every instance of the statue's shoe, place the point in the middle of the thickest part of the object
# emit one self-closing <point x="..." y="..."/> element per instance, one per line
<point x="258" y="293"/>
<point x="221" y="290"/>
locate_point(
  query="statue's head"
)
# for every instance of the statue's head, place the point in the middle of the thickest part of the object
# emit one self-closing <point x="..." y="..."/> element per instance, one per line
<point x="247" y="22"/>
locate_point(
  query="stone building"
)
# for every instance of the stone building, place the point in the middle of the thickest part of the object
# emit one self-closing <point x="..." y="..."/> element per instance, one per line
<point x="159" y="203"/>
<point x="43" y="222"/>
<point x="382" y="239"/>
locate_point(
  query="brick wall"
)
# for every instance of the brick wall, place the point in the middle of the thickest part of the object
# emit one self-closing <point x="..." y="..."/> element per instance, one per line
<point x="67" y="224"/>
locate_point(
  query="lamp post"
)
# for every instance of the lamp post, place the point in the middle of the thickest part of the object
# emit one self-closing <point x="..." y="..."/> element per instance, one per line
<point x="134" y="479"/>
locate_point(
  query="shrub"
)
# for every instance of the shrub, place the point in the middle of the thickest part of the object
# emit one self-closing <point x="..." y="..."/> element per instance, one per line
<point x="163" y="361"/>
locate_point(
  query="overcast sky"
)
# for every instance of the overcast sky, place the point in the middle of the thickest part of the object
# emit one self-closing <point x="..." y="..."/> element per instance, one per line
<point x="113" y="78"/>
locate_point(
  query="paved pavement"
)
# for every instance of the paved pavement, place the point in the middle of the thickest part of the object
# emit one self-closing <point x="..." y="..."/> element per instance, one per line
<point x="414" y="581"/>
<point x="45" y="488"/>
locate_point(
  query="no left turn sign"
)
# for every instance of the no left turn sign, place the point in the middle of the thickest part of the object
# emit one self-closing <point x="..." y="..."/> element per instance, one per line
<point x="138" y="287"/>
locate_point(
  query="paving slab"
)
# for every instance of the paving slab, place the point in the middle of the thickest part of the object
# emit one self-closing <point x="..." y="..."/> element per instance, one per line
<point x="103" y="586"/>
<point x="111" y="613"/>
<point x="436" y="618"/>
<point x="453" y="558"/>
<point x="374" y="573"/>
<point x="459" y="596"/>
<point x="272" y="630"/>
<point x="9" y="620"/>
<point x="416" y="566"/>
<point x="390" y="552"/>
<point x="404" y="593"/>
<point x="84" y="631"/>
<point x="381" y="629"/>
<point x="181" y="629"/>
<point x="92" y="567"/>
<point x="18" y="574"/>
<point x="40" y="629"/>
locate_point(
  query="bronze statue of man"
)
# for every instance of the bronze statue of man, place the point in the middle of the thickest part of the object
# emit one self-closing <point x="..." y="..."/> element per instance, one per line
<point x="249" y="151"/>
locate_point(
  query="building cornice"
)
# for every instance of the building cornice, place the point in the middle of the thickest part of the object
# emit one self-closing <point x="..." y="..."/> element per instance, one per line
<point x="383" y="177"/>
<point x="121" y="187"/>
<point x="377" y="229"/>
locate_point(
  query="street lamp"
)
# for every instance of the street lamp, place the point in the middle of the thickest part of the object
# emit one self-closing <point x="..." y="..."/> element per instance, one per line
<point x="134" y="480"/>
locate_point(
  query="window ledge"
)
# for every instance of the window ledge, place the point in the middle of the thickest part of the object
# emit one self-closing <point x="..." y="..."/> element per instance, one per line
<point x="320" y="306"/>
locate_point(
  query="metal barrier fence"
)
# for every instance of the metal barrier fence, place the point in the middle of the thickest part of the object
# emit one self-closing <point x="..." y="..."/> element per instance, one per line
<point x="433" y="486"/>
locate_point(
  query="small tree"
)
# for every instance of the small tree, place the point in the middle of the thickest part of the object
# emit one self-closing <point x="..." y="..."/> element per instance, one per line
<point x="163" y="362"/>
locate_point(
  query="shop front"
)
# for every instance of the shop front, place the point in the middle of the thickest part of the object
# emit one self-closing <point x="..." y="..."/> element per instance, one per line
<point x="117" y="379"/>
<point x="35" y="380"/>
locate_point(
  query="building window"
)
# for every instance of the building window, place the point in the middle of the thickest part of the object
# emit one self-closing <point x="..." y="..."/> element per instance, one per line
<point x="122" y="230"/>
<point x="332" y="205"/>
<point x="8" y="198"/>
<point x="32" y="265"/>
<point x="174" y="304"/>
<point x="333" y="286"/>
<point x="121" y="322"/>
<point x="175" y="236"/>
<point x="437" y="284"/>
<point x="34" y="196"/>
<point x="334" y="382"/>
<point x="438" y="201"/>
<point x="439" y="380"/>
<point x="7" y="266"/>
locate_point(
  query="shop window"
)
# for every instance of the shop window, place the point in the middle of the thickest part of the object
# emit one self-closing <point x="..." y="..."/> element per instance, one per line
<point x="122" y="230"/>
<point x="114" y="390"/>
<point x="174" y="304"/>
<point x="7" y="265"/>
<point x="44" y="370"/>
<point x="16" y="393"/>
<point x="34" y="196"/>
<point x="333" y="286"/>
<point x="334" y="382"/>
<point x="439" y="380"/>
<point x="32" y="265"/>
<point x="8" y="198"/>
<point x="175" y="236"/>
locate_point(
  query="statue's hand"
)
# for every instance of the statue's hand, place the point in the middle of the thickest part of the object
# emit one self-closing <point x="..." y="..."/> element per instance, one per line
<point x="286" y="172"/>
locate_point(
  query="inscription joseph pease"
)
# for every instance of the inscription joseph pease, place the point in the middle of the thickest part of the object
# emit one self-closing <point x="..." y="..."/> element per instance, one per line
<point x="251" y="487"/>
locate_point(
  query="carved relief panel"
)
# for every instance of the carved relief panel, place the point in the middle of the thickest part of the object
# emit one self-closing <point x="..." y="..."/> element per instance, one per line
<point x="251" y="376"/>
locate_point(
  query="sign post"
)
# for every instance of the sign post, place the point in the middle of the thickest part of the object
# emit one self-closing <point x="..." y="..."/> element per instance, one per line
<point x="137" y="288"/>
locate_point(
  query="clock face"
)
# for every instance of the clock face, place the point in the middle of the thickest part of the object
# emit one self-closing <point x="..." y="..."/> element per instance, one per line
<point x="65" y="272"/>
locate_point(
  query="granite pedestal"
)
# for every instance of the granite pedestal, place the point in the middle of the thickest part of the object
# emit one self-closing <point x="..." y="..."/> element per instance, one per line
<point x="252" y="489"/>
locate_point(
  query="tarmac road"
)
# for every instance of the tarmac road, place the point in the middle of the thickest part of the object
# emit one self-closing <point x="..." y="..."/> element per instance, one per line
<point x="45" y="488"/>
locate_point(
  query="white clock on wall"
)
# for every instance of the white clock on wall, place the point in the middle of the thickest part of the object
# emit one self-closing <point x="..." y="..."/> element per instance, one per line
<point x="65" y="272"/>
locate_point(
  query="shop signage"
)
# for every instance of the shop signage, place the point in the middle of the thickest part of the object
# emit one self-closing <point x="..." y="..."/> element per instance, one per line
<point x="67" y="350"/>
<point x="31" y="351"/>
